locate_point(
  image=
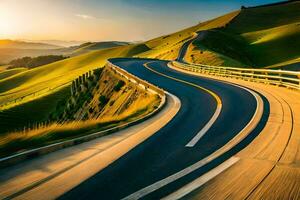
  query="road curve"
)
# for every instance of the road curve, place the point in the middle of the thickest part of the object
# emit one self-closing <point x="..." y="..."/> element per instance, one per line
<point x="165" y="153"/>
<point x="198" y="36"/>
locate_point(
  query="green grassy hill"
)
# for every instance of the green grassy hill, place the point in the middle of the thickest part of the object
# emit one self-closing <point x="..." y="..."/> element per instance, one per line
<point x="22" y="116"/>
<point x="101" y="100"/>
<point x="168" y="46"/>
<point x="92" y="46"/>
<point x="44" y="80"/>
<point x="257" y="37"/>
<point x="10" y="72"/>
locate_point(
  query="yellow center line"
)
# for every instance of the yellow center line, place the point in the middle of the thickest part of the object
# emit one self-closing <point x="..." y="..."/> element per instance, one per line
<point x="216" y="97"/>
<point x="212" y="120"/>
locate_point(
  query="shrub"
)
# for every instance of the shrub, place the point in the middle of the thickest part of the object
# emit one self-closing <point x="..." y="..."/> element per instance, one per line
<point x="29" y="62"/>
<point x="119" y="85"/>
<point x="97" y="72"/>
<point x="103" y="100"/>
<point x="111" y="103"/>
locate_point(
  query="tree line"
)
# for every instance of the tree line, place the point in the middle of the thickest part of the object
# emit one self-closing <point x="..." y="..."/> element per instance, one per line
<point x="29" y="62"/>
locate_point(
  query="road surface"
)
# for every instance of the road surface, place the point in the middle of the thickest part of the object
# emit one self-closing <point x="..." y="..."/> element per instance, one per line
<point x="184" y="47"/>
<point x="167" y="152"/>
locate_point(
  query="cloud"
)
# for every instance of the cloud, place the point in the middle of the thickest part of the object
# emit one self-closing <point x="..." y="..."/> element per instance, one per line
<point x="84" y="16"/>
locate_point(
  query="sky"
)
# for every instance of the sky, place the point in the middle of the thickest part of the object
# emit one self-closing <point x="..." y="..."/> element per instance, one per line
<point x="106" y="20"/>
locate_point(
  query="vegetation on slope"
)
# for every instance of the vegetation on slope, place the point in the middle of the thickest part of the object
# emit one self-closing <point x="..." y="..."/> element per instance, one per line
<point x="30" y="113"/>
<point x="198" y="53"/>
<point x="99" y="100"/>
<point x="46" y="79"/>
<point x="9" y="54"/>
<point x="10" y="72"/>
<point x="215" y="47"/>
<point x="29" y="62"/>
<point x="100" y="94"/>
<point x="91" y="46"/>
<point x="168" y="46"/>
<point x="257" y="37"/>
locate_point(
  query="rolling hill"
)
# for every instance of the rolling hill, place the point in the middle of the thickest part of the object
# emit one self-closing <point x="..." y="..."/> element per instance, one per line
<point x="15" y="44"/>
<point x="91" y="46"/>
<point x="10" y="49"/>
<point x="10" y="72"/>
<point x="257" y="37"/>
<point x="168" y="46"/>
<point x="46" y="79"/>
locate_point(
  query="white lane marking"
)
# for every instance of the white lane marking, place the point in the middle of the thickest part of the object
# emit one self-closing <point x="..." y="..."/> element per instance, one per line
<point x="159" y="184"/>
<point x="206" y="127"/>
<point x="155" y="186"/>
<point x="201" y="180"/>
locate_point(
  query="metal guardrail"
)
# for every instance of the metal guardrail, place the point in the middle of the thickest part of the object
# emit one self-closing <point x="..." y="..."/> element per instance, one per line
<point x="144" y="84"/>
<point x="289" y="79"/>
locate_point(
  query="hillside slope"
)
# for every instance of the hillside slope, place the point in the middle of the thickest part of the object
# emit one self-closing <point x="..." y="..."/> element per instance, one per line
<point x="91" y="46"/>
<point x="168" y="46"/>
<point x="10" y="72"/>
<point x="44" y="80"/>
<point x="101" y="99"/>
<point x="257" y="37"/>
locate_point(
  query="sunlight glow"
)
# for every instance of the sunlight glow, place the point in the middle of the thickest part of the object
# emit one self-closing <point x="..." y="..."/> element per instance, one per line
<point x="8" y="25"/>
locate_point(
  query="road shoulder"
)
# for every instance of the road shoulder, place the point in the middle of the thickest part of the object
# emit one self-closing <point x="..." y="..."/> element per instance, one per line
<point x="266" y="166"/>
<point x="65" y="169"/>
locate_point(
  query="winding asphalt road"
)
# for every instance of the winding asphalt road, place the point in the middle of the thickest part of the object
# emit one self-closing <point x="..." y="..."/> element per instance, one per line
<point x="185" y="46"/>
<point x="166" y="153"/>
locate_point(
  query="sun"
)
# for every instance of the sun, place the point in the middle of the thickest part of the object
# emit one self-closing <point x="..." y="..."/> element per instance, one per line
<point x="8" y="25"/>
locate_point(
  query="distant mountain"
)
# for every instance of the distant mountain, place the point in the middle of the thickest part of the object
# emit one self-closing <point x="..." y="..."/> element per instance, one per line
<point x="6" y="55"/>
<point x="16" y="44"/>
<point x="60" y="43"/>
<point x="10" y="50"/>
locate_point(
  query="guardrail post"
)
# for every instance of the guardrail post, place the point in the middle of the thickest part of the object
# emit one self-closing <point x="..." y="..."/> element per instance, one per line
<point x="280" y="79"/>
<point x="252" y="76"/>
<point x="266" y="78"/>
<point x="219" y="71"/>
